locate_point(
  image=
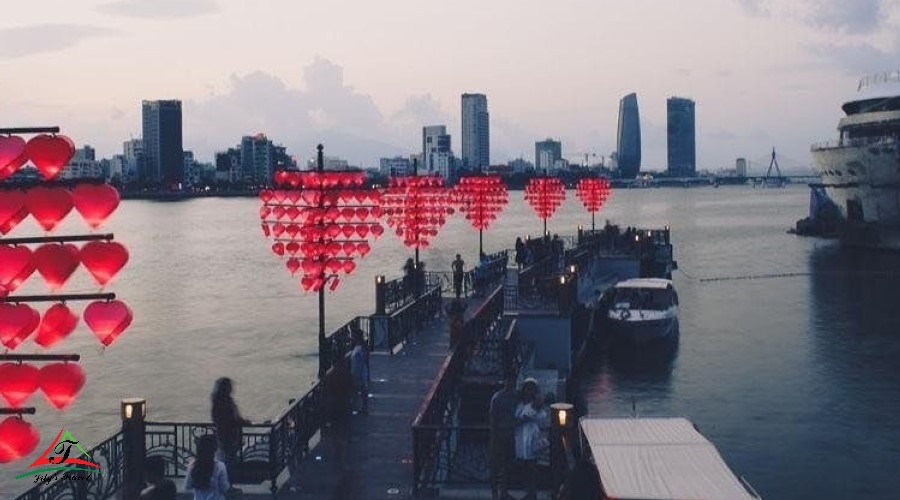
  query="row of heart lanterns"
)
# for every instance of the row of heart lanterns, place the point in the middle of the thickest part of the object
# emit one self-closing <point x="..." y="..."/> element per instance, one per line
<point x="106" y="319"/>
<point x="322" y="220"/>
<point x="49" y="205"/>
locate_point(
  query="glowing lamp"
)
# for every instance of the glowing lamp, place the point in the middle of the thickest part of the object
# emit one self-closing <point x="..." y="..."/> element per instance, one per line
<point x="134" y="409"/>
<point x="563" y="415"/>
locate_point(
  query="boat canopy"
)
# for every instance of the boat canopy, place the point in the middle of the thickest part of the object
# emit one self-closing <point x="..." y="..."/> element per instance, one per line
<point x="655" y="283"/>
<point x="658" y="458"/>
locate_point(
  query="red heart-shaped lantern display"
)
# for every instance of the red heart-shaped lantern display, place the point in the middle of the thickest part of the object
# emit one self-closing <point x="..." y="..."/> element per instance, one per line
<point x="12" y="209"/>
<point x="481" y="198"/>
<point x="18" y="438"/>
<point x="18" y="382"/>
<point x="49" y="205"/>
<point x="107" y="319"/>
<point x="50" y="153"/>
<point x="16" y="323"/>
<point x="95" y="202"/>
<point x="15" y="266"/>
<point x="12" y="155"/>
<point x="57" y="323"/>
<point x="61" y="382"/>
<point x="56" y="262"/>
<point x="103" y="259"/>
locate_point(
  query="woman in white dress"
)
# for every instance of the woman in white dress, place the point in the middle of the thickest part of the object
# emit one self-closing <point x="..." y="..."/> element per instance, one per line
<point x="206" y="476"/>
<point x="530" y="413"/>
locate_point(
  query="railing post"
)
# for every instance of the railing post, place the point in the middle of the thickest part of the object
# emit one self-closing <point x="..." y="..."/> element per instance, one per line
<point x="134" y="415"/>
<point x="563" y="420"/>
<point x="380" y="294"/>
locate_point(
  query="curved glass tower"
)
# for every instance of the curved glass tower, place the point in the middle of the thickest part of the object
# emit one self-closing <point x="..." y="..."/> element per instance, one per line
<point x="628" y="141"/>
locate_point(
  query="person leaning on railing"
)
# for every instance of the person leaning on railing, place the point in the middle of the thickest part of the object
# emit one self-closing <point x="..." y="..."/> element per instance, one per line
<point x="228" y="422"/>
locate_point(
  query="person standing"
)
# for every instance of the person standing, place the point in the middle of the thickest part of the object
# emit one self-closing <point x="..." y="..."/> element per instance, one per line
<point x="206" y="476"/>
<point x="458" y="273"/>
<point x="529" y="414"/>
<point x="359" y="370"/>
<point x="228" y="422"/>
<point x="456" y="310"/>
<point x="158" y="487"/>
<point x="502" y="422"/>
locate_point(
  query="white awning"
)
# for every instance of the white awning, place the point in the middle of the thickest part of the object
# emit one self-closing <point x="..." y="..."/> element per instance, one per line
<point x="658" y="458"/>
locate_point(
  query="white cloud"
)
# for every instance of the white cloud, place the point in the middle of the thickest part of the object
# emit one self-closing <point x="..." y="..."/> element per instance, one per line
<point x="43" y="38"/>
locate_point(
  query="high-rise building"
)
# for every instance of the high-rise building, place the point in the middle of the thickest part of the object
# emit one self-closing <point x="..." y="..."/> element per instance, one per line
<point x="228" y="166"/>
<point x="681" y="137"/>
<point x="257" y="159"/>
<point x="740" y="167"/>
<point x="396" y="166"/>
<point x="435" y="148"/>
<point x="133" y="153"/>
<point x="476" y="139"/>
<point x="163" y="155"/>
<point x="546" y="153"/>
<point x="628" y="139"/>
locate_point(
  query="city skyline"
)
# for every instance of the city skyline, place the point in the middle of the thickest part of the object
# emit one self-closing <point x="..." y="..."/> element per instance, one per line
<point x="791" y="64"/>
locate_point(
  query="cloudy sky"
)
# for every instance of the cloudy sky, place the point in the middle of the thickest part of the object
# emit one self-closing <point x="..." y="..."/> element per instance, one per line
<point x="364" y="76"/>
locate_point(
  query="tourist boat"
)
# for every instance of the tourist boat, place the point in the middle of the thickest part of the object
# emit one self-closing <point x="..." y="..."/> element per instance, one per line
<point x="659" y="458"/>
<point x="642" y="310"/>
<point x="861" y="170"/>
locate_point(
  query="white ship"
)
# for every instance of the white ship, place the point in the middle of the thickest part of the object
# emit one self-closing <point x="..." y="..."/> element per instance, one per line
<point x="861" y="170"/>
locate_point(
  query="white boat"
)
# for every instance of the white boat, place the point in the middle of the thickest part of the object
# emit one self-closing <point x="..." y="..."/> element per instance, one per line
<point x="658" y="458"/>
<point x="643" y="310"/>
<point x="861" y="170"/>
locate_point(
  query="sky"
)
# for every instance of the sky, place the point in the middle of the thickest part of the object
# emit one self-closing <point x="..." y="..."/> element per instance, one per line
<point x="363" y="77"/>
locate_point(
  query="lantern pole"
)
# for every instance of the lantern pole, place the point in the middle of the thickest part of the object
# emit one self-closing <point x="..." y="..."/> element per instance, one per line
<point x="320" y="167"/>
<point x="417" y="208"/>
<point x="593" y="228"/>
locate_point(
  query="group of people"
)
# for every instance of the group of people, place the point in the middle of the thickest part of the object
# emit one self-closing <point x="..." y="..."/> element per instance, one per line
<point x="537" y="249"/>
<point x="518" y="421"/>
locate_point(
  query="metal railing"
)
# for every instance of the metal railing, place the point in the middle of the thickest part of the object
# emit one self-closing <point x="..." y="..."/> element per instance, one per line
<point x="109" y="455"/>
<point x="476" y="282"/>
<point x="408" y="320"/>
<point x="398" y="293"/>
<point x="340" y="342"/>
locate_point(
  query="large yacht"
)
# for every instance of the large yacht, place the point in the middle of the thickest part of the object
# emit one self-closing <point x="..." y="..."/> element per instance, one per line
<point x="861" y="170"/>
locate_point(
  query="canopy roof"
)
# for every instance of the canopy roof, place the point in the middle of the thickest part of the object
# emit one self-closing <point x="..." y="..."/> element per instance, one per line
<point x="658" y="458"/>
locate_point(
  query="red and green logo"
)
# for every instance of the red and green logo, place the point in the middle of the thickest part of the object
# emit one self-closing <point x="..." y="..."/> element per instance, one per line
<point x="59" y="456"/>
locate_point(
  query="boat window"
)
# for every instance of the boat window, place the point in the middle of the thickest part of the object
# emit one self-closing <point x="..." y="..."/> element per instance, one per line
<point x="643" y="298"/>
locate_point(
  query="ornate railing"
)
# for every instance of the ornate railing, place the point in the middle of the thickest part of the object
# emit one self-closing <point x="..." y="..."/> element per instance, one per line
<point x="109" y="455"/>
<point x="477" y="281"/>
<point x="407" y="321"/>
<point x="398" y="293"/>
<point x="340" y="342"/>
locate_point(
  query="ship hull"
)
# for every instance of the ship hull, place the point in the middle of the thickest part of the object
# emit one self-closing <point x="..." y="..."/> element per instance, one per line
<point x="864" y="183"/>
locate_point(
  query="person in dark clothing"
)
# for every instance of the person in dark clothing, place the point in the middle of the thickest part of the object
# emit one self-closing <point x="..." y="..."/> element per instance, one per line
<point x="158" y="487"/>
<point x="520" y="253"/>
<point x="456" y="311"/>
<point x="458" y="272"/>
<point x="502" y="422"/>
<point x="409" y="275"/>
<point x="338" y="393"/>
<point x="228" y="422"/>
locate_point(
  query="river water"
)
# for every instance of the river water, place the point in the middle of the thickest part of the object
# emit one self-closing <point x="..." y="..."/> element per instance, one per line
<point x="796" y="379"/>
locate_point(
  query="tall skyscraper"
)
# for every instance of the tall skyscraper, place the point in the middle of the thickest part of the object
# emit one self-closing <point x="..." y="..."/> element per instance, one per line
<point x="163" y="155"/>
<point x="681" y="137"/>
<point x="628" y="140"/>
<point x="546" y="154"/>
<point x="435" y="149"/>
<point x="476" y="149"/>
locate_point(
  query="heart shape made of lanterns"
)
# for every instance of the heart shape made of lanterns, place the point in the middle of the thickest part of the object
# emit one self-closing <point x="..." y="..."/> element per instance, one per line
<point x="107" y="319"/>
<point x="58" y="322"/>
<point x="61" y="383"/>
<point x="103" y="259"/>
<point x="12" y="209"/>
<point x="95" y="202"/>
<point x="50" y="153"/>
<point x="18" y="382"/>
<point x="49" y="205"/>
<point x="12" y="155"/>
<point x="17" y="322"/>
<point x="56" y="262"/>
<point x="15" y="266"/>
<point x="18" y="438"/>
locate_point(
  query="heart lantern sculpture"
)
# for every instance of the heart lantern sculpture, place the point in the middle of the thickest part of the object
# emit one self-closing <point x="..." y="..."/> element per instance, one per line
<point x="593" y="193"/>
<point x="17" y="322"/>
<point x="61" y="383"/>
<point x="58" y="322"/>
<point x="545" y="195"/>
<point x="321" y="220"/>
<point x="12" y="209"/>
<point x="18" y="438"/>
<point x="49" y="205"/>
<point x="18" y="382"/>
<point x="95" y="202"/>
<point x="12" y="155"/>
<point x="417" y="207"/>
<point x="56" y="262"/>
<point x="50" y="153"/>
<point x="103" y="260"/>
<point x="481" y="198"/>
<point x="107" y="319"/>
<point x="16" y="266"/>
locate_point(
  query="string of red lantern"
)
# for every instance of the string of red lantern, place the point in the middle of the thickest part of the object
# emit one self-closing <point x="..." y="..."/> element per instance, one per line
<point x="481" y="198"/>
<point x="416" y="207"/>
<point x="545" y="195"/>
<point x="321" y="221"/>
<point x="54" y="259"/>
<point x="593" y="193"/>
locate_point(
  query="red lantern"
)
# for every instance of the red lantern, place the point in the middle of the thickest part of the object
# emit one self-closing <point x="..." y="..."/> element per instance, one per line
<point x="50" y="153"/>
<point x="103" y="260"/>
<point x="17" y="322"/>
<point x="12" y="209"/>
<point x="61" y="383"/>
<point x="12" y="155"/>
<point x="18" y="382"/>
<point x="56" y="262"/>
<point x="18" y="438"/>
<point x="107" y="319"/>
<point x="95" y="202"/>
<point x="412" y="205"/>
<point x="57" y="323"/>
<point x="49" y="205"/>
<point x="16" y="265"/>
<point x="545" y="195"/>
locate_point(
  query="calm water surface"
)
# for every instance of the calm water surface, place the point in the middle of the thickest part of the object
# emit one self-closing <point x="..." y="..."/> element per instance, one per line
<point x="796" y="379"/>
